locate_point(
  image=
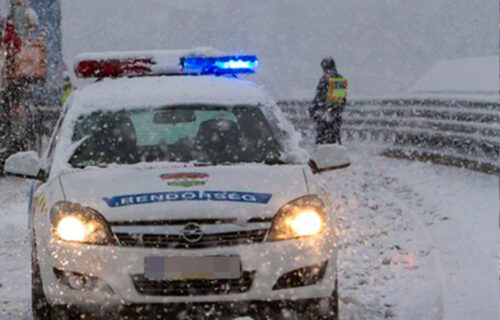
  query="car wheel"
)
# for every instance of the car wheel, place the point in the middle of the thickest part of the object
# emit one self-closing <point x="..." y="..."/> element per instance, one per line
<point x="278" y="314"/>
<point x="66" y="313"/>
<point x="327" y="309"/>
<point x="39" y="305"/>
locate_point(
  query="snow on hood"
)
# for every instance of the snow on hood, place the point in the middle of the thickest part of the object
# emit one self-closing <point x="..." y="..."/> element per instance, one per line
<point x="238" y="191"/>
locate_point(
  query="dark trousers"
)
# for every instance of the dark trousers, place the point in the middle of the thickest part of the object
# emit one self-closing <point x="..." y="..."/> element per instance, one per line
<point x="328" y="128"/>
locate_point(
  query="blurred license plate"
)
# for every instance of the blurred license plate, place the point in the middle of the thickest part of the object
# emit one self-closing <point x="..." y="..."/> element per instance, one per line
<point x="185" y="268"/>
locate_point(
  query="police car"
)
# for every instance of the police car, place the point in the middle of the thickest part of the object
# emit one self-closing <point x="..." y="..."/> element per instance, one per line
<point x="171" y="185"/>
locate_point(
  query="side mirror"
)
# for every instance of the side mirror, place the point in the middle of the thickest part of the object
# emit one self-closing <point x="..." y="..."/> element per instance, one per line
<point x="328" y="157"/>
<point x="24" y="164"/>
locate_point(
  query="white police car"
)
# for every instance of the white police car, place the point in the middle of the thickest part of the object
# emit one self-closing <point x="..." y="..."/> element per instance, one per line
<point x="170" y="188"/>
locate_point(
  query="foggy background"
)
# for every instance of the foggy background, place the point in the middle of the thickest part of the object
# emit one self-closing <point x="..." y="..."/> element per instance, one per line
<point x="381" y="46"/>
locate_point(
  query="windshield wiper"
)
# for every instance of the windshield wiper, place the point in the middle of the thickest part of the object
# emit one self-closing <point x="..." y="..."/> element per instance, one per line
<point x="274" y="162"/>
<point x="204" y="164"/>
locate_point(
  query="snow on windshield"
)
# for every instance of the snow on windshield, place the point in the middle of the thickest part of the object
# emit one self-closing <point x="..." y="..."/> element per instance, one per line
<point x="199" y="133"/>
<point x="273" y="138"/>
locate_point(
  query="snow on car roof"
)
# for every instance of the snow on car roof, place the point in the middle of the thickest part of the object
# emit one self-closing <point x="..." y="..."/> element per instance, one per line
<point x="140" y="92"/>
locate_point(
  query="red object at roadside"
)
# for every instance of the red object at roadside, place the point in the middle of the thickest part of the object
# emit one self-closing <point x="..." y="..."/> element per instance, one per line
<point x="11" y="39"/>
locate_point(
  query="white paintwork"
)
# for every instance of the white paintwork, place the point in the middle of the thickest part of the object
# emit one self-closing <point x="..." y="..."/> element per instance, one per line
<point x="285" y="183"/>
<point x="93" y="187"/>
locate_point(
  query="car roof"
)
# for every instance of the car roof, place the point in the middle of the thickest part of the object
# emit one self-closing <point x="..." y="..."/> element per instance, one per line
<point x="140" y="92"/>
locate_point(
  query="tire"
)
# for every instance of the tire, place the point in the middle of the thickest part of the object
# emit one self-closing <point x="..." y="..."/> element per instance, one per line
<point x="64" y="313"/>
<point x="309" y="311"/>
<point x="324" y="310"/>
<point x="40" y="307"/>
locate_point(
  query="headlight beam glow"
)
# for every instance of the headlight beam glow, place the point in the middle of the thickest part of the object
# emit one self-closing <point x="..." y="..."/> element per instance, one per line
<point x="71" y="229"/>
<point x="306" y="223"/>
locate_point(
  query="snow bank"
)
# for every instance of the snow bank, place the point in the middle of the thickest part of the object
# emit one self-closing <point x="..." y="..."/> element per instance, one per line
<point x="470" y="76"/>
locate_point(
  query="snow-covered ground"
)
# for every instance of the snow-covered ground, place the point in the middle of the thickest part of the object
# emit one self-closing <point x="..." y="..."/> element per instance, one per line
<point x="15" y="274"/>
<point x="418" y="241"/>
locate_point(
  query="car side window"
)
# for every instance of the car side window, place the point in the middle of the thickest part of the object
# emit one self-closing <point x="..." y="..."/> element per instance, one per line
<point x="54" y="139"/>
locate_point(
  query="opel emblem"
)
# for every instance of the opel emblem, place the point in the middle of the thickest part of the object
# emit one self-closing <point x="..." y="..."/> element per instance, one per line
<point x="192" y="233"/>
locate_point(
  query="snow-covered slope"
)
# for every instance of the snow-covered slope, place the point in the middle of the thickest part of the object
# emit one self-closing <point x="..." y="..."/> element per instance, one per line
<point x="471" y="78"/>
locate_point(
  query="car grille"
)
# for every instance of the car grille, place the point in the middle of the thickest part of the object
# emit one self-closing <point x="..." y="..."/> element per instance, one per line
<point x="192" y="287"/>
<point x="190" y="234"/>
<point x="178" y="242"/>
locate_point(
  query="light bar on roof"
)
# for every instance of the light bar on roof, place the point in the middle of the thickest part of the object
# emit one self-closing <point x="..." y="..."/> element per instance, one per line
<point x="200" y="61"/>
<point x="220" y="65"/>
<point x="113" y="68"/>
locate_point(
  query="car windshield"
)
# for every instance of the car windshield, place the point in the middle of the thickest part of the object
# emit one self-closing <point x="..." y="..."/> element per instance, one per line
<point x="184" y="133"/>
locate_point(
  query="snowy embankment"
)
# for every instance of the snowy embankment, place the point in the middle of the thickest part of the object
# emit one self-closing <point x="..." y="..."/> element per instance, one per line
<point x="418" y="241"/>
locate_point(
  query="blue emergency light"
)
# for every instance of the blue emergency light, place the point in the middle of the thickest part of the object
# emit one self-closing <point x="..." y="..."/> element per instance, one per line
<point x="220" y="65"/>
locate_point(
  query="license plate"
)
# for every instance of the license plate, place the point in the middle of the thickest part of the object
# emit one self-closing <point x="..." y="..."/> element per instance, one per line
<point x="186" y="268"/>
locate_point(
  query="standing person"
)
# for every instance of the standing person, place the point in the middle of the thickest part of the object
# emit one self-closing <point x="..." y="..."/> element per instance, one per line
<point x="17" y="124"/>
<point x="329" y="103"/>
<point x="11" y="45"/>
<point x="67" y="86"/>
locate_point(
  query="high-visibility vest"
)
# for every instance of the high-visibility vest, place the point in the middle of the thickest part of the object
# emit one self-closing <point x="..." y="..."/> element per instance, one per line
<point x="337" y="89"/>
<point x="66" y="94"/>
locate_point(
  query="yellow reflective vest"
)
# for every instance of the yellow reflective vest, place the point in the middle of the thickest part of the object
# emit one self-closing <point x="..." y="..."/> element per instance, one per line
<point x="66" y="94"/>
<point x="337" y="90"/>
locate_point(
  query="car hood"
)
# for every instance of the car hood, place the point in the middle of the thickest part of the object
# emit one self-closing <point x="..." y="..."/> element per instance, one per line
<point x="239" y="192"/>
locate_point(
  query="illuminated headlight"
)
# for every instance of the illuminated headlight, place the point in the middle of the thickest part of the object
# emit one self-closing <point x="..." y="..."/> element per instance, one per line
<point x="75" y="223"/>
<point x="300" y="218"/>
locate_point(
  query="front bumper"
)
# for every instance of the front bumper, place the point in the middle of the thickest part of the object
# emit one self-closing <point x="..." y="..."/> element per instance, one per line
<point x="213" y="310"/>
<point x="116" y="266"/>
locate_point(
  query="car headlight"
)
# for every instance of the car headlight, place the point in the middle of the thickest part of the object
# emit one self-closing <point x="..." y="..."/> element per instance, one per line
<point x="75" y="223"/>
<point x="302" y="217"/>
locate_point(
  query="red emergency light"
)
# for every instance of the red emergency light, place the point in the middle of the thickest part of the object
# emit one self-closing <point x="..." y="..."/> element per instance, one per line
<point x="113" y="68"/>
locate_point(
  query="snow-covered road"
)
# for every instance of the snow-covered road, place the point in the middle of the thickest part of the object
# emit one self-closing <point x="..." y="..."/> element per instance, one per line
<point x="418" y="241"/>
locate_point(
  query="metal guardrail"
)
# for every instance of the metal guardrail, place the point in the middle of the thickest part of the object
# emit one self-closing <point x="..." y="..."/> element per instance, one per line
<point x="455" y="133"/>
